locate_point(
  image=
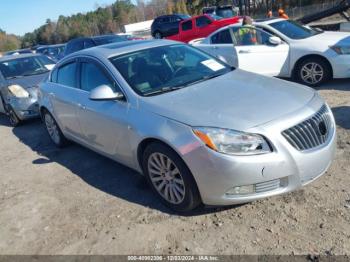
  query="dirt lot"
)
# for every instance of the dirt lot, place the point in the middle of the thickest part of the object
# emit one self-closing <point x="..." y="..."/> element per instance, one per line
<point x="73" y="201"/>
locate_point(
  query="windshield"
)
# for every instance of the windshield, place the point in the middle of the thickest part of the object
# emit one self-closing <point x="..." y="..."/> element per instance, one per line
<point x="225" y="12"/>
<point x="25" y="66"/>
<point x="176" y="66"/>
<point x="294" y="30"/>
<point x="103" y="40"/>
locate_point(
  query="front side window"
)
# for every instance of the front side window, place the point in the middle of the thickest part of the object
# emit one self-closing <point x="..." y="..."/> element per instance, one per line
<point x="202" y="21"/>
<point x="25" y="66"/>
<point x="245" y="36"/>
<point x="66" y="75"/>
<point x="176" y="66"/>
<point x="222" y="37"/>
<point x="93" y="76"/>
<point x="293" y="29"/>
<point x="187" y="25"/>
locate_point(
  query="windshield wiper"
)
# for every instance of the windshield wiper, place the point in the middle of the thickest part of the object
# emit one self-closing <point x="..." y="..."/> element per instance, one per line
<point x="165" y="89"/>
<point x="37" y="73"/>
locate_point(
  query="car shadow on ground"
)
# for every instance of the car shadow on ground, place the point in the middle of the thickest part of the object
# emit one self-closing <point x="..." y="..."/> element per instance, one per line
<point x="96" y="170"/>
<point x="336" y="84"/>
<point x="342" y="115"/>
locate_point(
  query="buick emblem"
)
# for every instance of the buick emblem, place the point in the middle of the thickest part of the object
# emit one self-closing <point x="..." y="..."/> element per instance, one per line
<point x="322" y="128"/>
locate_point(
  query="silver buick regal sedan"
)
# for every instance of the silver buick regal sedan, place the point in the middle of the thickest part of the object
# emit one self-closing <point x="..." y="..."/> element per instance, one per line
<point x="199" y="130"/>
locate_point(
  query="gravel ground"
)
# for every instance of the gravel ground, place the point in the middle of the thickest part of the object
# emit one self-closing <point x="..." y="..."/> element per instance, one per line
<point x="73" y="201"/>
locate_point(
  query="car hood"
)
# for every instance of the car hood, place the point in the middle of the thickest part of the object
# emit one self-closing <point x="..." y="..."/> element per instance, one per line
<point x="28" y="81"/>
<point x="238" y="100"/>
<point x="330" y="38"/>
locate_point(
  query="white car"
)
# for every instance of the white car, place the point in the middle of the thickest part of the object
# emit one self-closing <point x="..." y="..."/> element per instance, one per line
<point x="283" y="48"/>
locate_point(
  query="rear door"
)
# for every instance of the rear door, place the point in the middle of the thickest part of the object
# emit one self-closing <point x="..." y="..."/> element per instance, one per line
<point x="256" y="54"/>
<point x="222" y="47"/>
<point x="64" y="97"/>
<point x="104" y="123"/>
<point x="204" y="27"/>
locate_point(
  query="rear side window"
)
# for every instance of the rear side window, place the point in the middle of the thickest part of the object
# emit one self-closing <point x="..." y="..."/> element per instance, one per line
<point x="93" y="76"/>
<point x="66" y="75"/>
<point x="187" y="25"/>
<point x="202" y="21"/>
<point x="223" y="37"/>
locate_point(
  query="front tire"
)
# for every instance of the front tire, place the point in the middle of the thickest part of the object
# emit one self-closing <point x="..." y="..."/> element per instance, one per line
<point x="170" y="178"/>
<point x="313" y="72"/>
<point x="13" y="118"/>
<point x="54" y="130"/>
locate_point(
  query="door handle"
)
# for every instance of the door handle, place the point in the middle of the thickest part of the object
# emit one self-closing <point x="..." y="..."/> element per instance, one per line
<point x="215" y="47"/>
<point x="82" y="106"/>
<point x="244" y="51"/>
<point x="52" y="94"/>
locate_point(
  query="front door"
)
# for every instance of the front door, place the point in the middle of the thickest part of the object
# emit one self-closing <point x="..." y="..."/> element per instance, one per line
<point x="104" y="123"/>
<point x="256" y="54"/>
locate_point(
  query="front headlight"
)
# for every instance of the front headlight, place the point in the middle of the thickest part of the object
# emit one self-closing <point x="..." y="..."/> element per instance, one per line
<point x="232" y="142"/>
<point x="18" y="91"/>
<point x="341" y="50"/>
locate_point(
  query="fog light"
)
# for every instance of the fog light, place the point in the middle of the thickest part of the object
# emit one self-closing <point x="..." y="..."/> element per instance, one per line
<point x="241" y="190"/>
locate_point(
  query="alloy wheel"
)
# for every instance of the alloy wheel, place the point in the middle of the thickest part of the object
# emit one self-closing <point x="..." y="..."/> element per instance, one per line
<point x="312" y="73"/>
<point x="166" y="178"/>
<point x="52" y="128"/>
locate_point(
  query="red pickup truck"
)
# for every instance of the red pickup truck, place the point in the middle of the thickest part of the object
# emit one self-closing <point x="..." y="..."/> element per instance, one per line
<point x="201" y="26"/>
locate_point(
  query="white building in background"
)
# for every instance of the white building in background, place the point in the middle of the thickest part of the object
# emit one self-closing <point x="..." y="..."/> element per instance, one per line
<point x="139" y="29"/>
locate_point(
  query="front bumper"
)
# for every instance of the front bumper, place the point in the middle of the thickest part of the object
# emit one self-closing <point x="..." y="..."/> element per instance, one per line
<point x="25" y="108"/>
<point x="284" y="170"/>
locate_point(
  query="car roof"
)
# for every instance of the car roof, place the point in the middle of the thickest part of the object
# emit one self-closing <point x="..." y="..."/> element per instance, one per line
<point x="114" y="49"/>
<point x="267" y="21"/>
<point x="14" y="57"/>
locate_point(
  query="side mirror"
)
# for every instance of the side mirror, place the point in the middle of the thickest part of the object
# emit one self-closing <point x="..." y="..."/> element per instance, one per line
<point x="103" y="93"/>
<point x="275" y="40"/>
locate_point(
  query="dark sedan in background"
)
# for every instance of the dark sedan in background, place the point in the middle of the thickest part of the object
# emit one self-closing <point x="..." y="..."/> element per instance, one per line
<point x="167" y="25"/>
<point x="81" y="43"/>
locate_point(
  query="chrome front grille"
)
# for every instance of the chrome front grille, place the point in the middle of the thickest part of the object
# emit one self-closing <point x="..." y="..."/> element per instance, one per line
<point x="311" y="133"/>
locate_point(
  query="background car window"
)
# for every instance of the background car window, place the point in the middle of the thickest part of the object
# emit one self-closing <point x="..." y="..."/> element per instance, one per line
<point x="92" y="76"/>
<point x="66" y="75"/>
<point x="187" y="25"/>
<point x="250" y="36"/>
<point x="202" y="21"/>
<point x="222" y="37"/>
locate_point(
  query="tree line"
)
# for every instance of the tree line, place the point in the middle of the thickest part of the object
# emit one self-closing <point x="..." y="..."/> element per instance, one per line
<point x="112" y="18"/>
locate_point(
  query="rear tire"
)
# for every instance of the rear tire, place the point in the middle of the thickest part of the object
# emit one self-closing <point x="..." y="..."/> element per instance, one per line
<point x="313" y="71"/>
<point x="170" y="178"/>
<point x="54" y="130"/>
